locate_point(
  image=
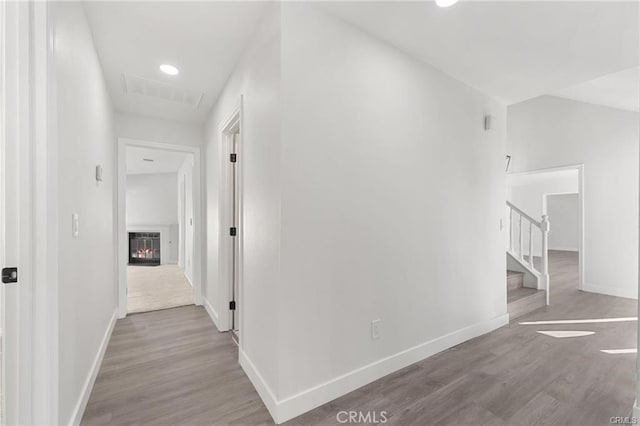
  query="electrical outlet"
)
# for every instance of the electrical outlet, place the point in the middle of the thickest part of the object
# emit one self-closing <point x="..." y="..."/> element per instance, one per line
<point x="375" y="329"/>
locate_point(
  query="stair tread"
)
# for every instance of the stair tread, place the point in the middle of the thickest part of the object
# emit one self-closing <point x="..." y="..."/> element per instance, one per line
<point x="513" y="273"/>
<point x="521" y="292"/>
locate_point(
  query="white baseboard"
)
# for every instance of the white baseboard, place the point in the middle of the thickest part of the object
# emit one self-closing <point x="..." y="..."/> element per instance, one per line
<point x="611" y="291"/>
<point x="81" y="405"/>
<point x="263" y="389"/>
<point x="295" y="405"/>
<point x="212" y="313"/>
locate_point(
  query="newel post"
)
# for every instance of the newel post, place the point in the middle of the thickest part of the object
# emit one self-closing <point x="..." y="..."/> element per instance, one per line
<point x="544" y="227"/>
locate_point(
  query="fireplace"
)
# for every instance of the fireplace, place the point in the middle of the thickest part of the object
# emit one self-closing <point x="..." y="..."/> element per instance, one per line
<point x="144" y="248"/>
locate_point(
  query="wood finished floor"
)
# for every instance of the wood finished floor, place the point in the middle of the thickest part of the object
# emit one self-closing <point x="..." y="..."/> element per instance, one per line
<point x="172" y="367"/>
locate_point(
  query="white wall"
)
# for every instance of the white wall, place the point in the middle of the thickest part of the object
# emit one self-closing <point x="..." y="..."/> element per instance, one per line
<point x="86" y="138"/>
<point x="257" y="79"/>
<point x="528" y="191"/>
<point x="158" y="130"/>
<point x="152" y="206"/>
<point x="563" y="214"/>
<point x="550" y="132"/>
<point x="151" y="199"/>
<point x="390" y="184"/>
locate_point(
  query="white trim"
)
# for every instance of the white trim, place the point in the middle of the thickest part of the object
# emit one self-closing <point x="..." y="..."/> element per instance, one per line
<point x="226" y="127"/>
<point x="581" y="213"/>
<point x="546" y="170"/>
<point x="215" y="318"/>
<point x="190" y="283"/>
<point x="29" y="214"/>
<point x="81" y="405"/>
<point x="611" y="291"/>
<point x="302" y="402"/>
<point x="264" y="390"/>
<point x="580" y="248"/>
<point x="45" y="218"/>
<point x="198" y="215"/>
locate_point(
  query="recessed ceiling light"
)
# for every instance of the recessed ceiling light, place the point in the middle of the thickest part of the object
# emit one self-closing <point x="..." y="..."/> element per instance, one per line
<point x="446" y="3"/>
<point x="169" y="69"/>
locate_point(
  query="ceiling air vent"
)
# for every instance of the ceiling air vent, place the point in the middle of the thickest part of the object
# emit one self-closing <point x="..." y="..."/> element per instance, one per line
<point x="160" y="90"/>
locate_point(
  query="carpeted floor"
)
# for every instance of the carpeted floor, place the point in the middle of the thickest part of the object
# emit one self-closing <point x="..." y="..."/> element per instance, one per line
<point x="152" y="288"/>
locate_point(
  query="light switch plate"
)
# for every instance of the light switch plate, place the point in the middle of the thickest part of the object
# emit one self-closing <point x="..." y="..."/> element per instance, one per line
<point x="75" y="225"/>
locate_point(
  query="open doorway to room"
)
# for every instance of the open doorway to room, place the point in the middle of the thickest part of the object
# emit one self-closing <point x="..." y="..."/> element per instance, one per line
<point x="159" y="229"/>
<point x="554" y="195"/>
<point x="159" y="204"/>
<point x="564" y="213"/>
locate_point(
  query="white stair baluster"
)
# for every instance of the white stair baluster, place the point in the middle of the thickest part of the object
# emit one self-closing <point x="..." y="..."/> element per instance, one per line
<point x="510" y="229"/>
<point x="544" y="227"/>
<point x="520" y="242"/>
<point x="531" y="245"/>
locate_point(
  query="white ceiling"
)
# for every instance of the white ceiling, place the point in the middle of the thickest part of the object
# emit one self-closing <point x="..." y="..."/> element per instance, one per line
<point x="163" y="161"/>
<point x="618" y="90"/>
<point x="512" y="50"/>
<point x="203" y="39"/>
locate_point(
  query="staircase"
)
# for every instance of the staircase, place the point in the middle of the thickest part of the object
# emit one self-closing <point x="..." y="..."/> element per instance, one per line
<point x="527" y="262"/>
<point x="520" y="299"/>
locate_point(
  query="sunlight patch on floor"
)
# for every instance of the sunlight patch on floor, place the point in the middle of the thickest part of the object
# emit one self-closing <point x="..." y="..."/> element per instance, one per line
<point x="619" y="351"/>
<point x="564" y="334"/>
<point x="580" y="321"/>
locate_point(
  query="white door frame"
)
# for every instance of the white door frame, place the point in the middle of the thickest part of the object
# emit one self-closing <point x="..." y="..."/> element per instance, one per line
<point x="122" y="238"/>
<point x="581" y="245"/>
<point x="230" y="125"/>
<point x="28" y="212"/>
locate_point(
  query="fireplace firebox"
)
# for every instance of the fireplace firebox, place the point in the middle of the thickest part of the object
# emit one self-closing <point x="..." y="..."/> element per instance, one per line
<point x="144" y="248"/>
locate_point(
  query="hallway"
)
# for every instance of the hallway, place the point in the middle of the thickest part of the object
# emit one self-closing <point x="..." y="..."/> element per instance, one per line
<point x="173" y="367"/>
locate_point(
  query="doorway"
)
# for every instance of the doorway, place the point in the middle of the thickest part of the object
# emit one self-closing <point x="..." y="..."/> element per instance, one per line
<point x="557" y="193"/>
<point x="158" y="226"/>
<point x="230" y="220"/>
<point x="563" y="211"/>
<point x="234" y="219"/>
